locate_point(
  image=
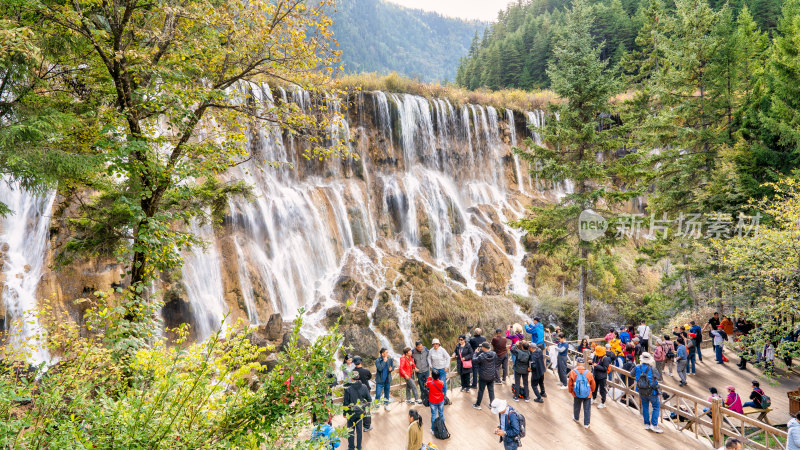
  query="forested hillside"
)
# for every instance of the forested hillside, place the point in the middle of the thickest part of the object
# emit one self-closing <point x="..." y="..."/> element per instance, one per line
<point x="377" y="36"/>
<point x="514" y="51"/>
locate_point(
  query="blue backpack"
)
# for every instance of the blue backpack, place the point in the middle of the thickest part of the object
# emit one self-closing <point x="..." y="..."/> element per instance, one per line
<point x="582" y="388"/>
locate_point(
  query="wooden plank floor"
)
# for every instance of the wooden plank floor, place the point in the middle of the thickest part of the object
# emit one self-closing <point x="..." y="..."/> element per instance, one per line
<point x="550" y="425"/>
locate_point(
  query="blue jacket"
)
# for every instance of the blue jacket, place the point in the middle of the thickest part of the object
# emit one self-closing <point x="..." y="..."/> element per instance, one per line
<point x="624" y="337"/>
<point x="563" y="349"/>
<point x="651" y="377"/>
<point x="536" y="331"/>
<point x="512" y="427"/>
<point x="682" y="352"/>
<point x="382" y="373"/>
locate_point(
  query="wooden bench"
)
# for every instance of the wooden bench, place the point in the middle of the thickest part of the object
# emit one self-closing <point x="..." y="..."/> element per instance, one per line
<point x="762" y="413"/>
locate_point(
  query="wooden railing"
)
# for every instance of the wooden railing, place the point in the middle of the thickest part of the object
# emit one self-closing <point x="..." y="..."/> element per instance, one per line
<point x="704" y="419"/>
<point x="453" y="382"/>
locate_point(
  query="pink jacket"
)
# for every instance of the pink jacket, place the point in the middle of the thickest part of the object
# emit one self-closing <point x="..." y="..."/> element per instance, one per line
<point x="734" y="403"/>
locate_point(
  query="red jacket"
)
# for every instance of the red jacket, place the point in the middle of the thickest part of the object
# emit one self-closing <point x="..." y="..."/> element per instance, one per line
<point x="407" y="367"/>
<point x="435" y="390"/>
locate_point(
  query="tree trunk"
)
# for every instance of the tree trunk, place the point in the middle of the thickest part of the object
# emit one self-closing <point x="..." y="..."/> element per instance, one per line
<point x="582" y="295"/>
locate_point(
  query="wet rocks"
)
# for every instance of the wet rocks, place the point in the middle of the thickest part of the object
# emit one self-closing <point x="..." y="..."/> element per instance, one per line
<point x="455" y="275"/>
<point x="493" y="270"/>
<point x="274" y="327"/>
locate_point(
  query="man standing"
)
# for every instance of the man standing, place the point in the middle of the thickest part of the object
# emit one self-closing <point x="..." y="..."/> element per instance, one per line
<point x="682" y="360"/>
<point x="536" y="330"/>
<point x="420" y="355"/>
<point x="537" y="373"/>
<point x="384" y="366"/>
<point x="500" y="348"/>
<point x="600" y="365"/>
<point x="509" y="428"/>
<point x="581" y="386"/>
<point x="698" y="338"/>
<point x="364" y="375"/>
<point x="486" y="360"/>
<point x="439" y="361"/>
<point x="356" y="399"/>
<point x="647" y="386"/>
<point x="713" y="324"/>
<point x="563" y="350"/>
<point x="644" y="336"/>
<point x="474" y="342"/>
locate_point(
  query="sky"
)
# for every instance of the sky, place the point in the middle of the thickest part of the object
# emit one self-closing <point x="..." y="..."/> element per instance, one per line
<point x="485" y="10"/>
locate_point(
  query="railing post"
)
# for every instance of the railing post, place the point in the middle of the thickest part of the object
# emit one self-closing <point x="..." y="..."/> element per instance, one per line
<point x="587" y="359"/>
<point x="716" y="422"/>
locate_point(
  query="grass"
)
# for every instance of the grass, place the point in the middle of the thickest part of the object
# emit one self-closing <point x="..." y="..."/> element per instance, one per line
<point x="515" y="99"/>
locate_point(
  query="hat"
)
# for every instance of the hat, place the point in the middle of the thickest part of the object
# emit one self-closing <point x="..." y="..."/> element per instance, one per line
<point x="357" y="360"/>
<point x="600" y="351"/>
<point x="537" y="319"/>
<point x="435" y="341"/>
<point x="686" y="326"/>
<point x="636" y="339"/>
<point x="628" y="356"/>
<point x="579" y="359"/>
<point x="720" y="326"/>
<point x="646" y="358"/>
<point x="730" y="388"/>
<point x="498" y="330"/>
<point x="498" y="406"/>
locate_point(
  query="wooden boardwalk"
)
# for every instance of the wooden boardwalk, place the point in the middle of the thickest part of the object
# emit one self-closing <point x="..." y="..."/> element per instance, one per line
<point x="550" y="425"/>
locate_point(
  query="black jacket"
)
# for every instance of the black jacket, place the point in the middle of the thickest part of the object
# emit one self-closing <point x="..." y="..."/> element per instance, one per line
<point x="487" y="362"/>
<point x="537" y="364"/>
<point x="466" y="353"/>
<point x="600" y="371"/>
<point x="476" y="341"/>
<point x="356" y="396"/>
<point x="364" y="376"/>
<point x="522" y="360"/>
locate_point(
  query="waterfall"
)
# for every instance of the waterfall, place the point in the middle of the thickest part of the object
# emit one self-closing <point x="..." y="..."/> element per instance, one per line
<point x="512" y="128"/>
<point x="23" y="246"/>
<point x="202" y="279"/>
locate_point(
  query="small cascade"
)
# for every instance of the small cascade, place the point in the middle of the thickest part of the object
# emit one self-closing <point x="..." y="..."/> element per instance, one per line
<point x="512" y="128"/>
<point x="202" y="278"/>
<point x="23" y="247"/>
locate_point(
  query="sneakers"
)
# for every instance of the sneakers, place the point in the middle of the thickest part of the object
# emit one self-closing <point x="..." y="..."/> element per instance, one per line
<point x="409" y="402"/>
<point x="538" y="400"/>
<point x="586" y="427"/>
<point x="656" y="429"/>
<point x="647" y="427"/>
<point x="476" y="406"/>
<point x="498" y="382"/>
<point x="368" y="429"/>
<point x="419" y="402"/>
<point x="527" y="400"/>
<point x="544" y="395"/>
<point x="516" y="399"/>
<point x="563" y="387"/>
<point x="577" y="420"/>
<point x="387" y="407"/>
<point x="601" y="406"/>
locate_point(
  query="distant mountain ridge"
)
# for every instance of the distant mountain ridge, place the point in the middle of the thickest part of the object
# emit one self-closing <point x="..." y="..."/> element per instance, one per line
<point x="378" y="36"/>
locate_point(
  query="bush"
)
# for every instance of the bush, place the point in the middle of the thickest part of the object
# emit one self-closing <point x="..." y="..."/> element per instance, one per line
<point x="202" y="395"/>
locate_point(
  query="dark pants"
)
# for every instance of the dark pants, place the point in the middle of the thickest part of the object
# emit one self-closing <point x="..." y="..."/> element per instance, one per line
<point x="355" y="425"/>
<point x="697" y="343"/>
<point x="502" y="362"/>
<point x="485" y="384"/>
<point x="513" y="445"/>
<point x="601" y="388"/>
<point x="718" y="353"/>
<point x="524" y="378"/>
<point x="422" y="377"/>
<point x="586" y="404"/>
<point x="465" y="384"/>
<point x="562" y="369"/>
<point x="474" y="377"/>
<point x="645" y="344"/>
<point x="537" y="384"/>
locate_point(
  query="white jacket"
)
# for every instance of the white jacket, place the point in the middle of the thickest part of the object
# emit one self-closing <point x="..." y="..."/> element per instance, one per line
<point x="439" y="359"/>
<point x="793" y="440"/>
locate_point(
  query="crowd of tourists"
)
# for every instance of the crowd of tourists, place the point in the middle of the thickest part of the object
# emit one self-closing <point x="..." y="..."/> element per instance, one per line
<point x="524" y="353"/>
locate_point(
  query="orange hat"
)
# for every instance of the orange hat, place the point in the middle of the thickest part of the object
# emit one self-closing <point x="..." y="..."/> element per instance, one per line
<point x="599" y="351"/>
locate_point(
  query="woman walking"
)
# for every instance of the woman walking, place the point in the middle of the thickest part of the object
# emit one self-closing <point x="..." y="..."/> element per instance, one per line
<point x="463" y="355"/>
<point x="414" y="430"/>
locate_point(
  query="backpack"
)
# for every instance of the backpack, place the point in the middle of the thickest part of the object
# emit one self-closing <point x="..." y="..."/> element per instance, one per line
<point x="517" y="391"/>
<point x="521" y="420"/>
<point x="582" y="388"/>
<point x="669" y="353"/>
<point x="643" y="383"/>
<point x="766" y="402"/>
<point x="439" y="429"/>
<point x="424" y="394"/>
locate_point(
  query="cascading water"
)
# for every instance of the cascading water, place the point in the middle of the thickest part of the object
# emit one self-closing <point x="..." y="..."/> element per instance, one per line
<point x="23" y="246"/>
<point x="202" y="279"/>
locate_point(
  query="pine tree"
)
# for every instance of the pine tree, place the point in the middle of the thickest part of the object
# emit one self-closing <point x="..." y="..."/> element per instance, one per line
<point x="575" y="146"/>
